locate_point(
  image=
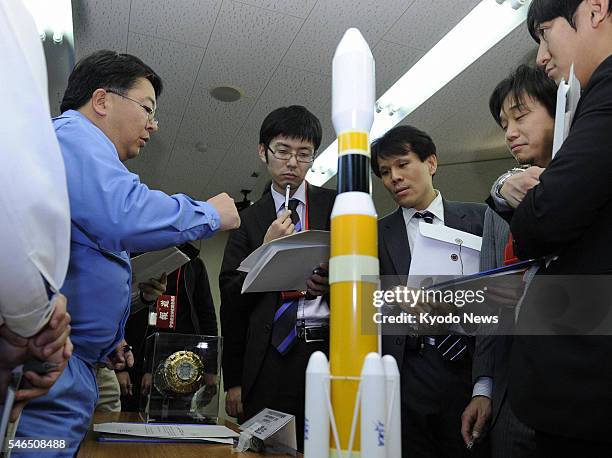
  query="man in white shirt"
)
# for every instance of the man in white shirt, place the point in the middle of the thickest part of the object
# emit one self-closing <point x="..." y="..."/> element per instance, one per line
<point x="35" y="226"/>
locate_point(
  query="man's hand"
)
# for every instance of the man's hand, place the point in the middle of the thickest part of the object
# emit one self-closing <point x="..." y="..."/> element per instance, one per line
<point x="145" y="384"/>
<point x="233" y="401"/>
<point x="517" y="185"/>
<point x="227" y="210"/>
<point x="125" y="383"/>
<point x="36" y="385"/>
<point x="280" y="227"/>
<point x="12" y="355"/>
<point x="54" y="334"/>
<point x="152" y="289"/>
<point x="318" y="283"/>
<point x="474" y="419"/>
<point x="121" y="357"/>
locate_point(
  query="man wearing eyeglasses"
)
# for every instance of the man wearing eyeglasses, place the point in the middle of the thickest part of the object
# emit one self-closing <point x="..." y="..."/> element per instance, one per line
<point x="108" y="116"/>
<point x="268" y="337"/>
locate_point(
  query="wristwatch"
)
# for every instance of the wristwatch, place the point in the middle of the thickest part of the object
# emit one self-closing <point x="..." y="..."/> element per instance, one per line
<point x="502" y="179"/>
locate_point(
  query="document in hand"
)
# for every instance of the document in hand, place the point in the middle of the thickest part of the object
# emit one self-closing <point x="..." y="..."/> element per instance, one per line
<point x="441" y="250"/>
<point x="568" y="96"/>
<point x="284" y="264"/>
<point x="154" y="263"/>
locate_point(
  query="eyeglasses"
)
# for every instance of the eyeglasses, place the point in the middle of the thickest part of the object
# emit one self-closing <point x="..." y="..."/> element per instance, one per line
<point x="284" y="154"/>
<point x="148" y="110"/>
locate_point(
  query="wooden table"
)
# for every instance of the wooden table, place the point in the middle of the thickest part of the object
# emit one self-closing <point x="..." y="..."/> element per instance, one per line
<point x="92" y="448"/>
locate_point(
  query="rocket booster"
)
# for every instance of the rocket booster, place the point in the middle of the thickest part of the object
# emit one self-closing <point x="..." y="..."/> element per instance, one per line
<point x="353" y="261"/>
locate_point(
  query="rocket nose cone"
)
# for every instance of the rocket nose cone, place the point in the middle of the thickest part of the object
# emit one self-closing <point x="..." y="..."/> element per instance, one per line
<point x="372" y="365"/>
<point x="352" y="41"/>
<point x="318" y="363"/>
<point x="390" y="365"/>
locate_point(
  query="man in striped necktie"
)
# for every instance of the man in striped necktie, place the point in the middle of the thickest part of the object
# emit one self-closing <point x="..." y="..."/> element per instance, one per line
<point x="436" y="379"/>
<point x="268" y="337"/>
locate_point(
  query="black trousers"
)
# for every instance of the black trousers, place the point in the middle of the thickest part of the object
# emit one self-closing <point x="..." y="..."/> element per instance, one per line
<point x="281" y="384"/>
<point x="434" y="394"/>
<point x="553" y="446"/>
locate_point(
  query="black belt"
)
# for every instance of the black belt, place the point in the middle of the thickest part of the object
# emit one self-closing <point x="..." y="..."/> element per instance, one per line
<point x="313" y="333"/>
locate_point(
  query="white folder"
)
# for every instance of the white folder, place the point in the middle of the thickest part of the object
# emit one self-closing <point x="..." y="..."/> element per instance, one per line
<point x="441" y="250"/>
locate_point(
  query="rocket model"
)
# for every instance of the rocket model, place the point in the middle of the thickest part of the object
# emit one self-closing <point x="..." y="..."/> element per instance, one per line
<point x="357" y="378"/>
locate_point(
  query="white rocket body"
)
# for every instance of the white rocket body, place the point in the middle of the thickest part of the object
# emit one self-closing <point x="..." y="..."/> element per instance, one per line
<point x="373" y="408"/>
<point x="393" y="438"/>
<point x="353" y="84"/>
<point x="316" y="414"/>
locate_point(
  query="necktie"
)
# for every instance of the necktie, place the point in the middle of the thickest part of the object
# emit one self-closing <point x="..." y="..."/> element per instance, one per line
<point x="451" y="347"/>
<point x="426" y="216"/>
<point x="284" y="333"/>
<point x="509" y="256"/>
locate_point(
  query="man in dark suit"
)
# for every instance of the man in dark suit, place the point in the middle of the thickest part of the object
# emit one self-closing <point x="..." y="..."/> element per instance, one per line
<point x="269" y="337"/>
<point x="436" y="385"/>
<point x="560" y="384"/>
<point x="523" y="105"/>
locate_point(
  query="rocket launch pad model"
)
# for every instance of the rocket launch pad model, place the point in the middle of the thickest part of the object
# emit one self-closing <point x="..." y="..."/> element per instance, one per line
<point x="356" y="379"/>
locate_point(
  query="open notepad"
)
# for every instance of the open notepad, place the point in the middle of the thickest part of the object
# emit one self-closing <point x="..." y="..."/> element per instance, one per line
<point x="284" y="264"/>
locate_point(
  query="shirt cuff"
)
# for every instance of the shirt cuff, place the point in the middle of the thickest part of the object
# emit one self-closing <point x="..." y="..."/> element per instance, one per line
<point x="214" y="221"/>
<point x="483" y="387"/>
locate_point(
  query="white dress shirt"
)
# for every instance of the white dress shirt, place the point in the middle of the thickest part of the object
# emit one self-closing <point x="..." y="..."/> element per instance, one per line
<point x="483" y="385"/>
<point x="315" y="311"/>
<point x="35" y="223"/>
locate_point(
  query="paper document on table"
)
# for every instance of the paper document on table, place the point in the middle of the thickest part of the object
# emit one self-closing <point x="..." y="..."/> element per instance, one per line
<point x="440" y="250"/>
<point x="568" y="96"/>
<point x="167" y="431"/>
<point x="154" y="264"/>
<point x="284" y="264"/>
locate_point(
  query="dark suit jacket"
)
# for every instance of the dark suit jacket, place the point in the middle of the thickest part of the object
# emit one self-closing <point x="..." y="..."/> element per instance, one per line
<point x="493" y="351"/>
<point x="394" y="253"/>
<point x="246" y="319"/>
<point x="562" y="384"/>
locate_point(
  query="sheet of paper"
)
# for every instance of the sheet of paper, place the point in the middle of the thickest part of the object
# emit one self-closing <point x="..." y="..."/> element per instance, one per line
<point x="106" y="437"/>
<point x="173" y="431"/>
<point x="285" y="264"/>
<point x="441" y="250"/>
<point x="568" y="96"/>
<point x="154" y="264"/>
<point x="298" y="239"/>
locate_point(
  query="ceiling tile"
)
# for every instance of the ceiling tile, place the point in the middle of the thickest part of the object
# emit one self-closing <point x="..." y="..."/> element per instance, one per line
<point x="176" y="63"/>
<point x="299" y="8"/>
<point x="247" y="45"/>
<point x="426" y="22"/>
<point x="392" y="61"/>
<point x="100" y="24"/>
<point x="314" y="47"/>
<point x="189" y="170"/>
<point x="186" y="21"/>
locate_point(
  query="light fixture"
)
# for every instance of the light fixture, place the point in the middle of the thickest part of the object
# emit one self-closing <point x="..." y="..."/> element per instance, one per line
<point x="226" y="93"/>
<point x="53" y="17"/>
<point x="480" y="30"/>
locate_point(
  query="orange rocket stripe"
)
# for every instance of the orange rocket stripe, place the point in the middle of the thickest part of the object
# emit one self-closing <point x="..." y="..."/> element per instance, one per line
<point x="353" y="140"/>
<point x="354" y="234"/>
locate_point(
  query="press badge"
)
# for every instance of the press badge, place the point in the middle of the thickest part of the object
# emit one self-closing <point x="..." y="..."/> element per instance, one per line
<point x="165" y="310"/>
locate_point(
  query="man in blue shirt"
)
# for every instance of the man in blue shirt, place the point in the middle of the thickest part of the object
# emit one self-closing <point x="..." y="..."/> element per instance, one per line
<point x="108" y="115"/>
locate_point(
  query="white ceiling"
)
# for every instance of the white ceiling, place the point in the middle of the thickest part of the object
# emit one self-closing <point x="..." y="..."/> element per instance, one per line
<point x="279" y="53"/>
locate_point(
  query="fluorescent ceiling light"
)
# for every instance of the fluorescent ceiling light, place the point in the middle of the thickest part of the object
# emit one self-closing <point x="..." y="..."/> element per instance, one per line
<point x="477" y="32"/>
<point x="52" y="17"/>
